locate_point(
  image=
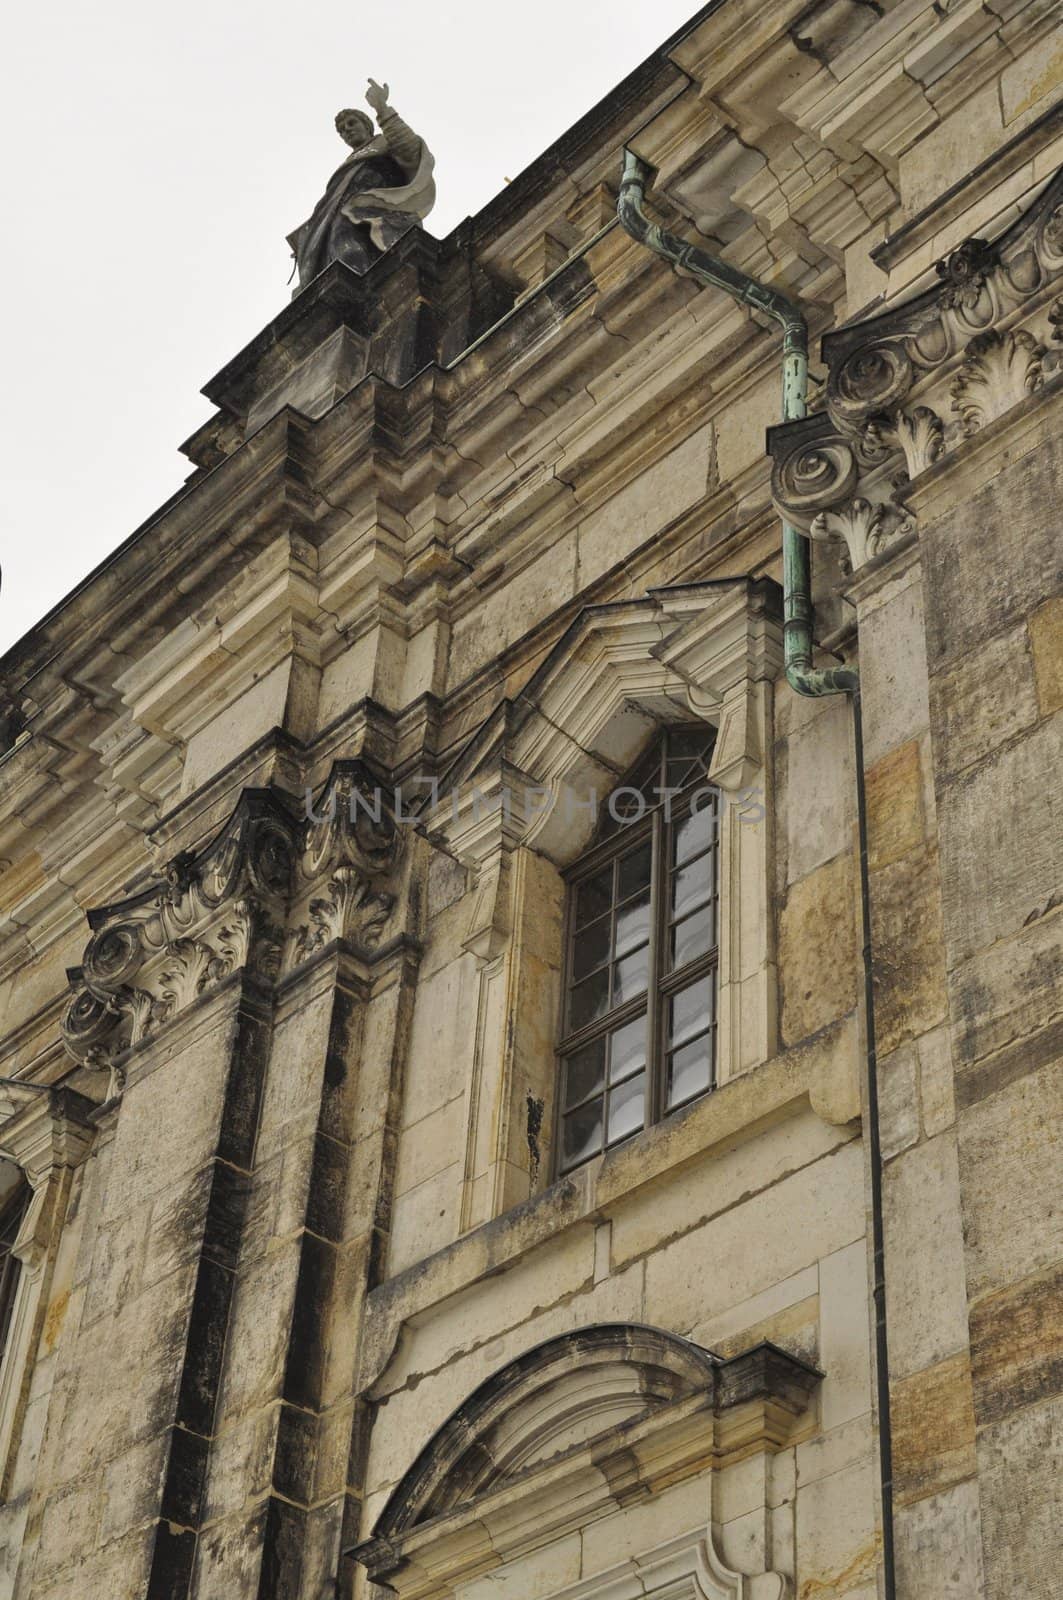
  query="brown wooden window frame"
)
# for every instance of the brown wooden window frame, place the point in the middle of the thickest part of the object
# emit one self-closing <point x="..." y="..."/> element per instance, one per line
<point x="659" y="828"/>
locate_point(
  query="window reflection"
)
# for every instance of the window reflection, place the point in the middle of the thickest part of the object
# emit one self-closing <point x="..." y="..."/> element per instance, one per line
<point x="640" y="1024"/>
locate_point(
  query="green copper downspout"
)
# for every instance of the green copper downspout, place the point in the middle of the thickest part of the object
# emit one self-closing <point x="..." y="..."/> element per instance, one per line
<point x="797" y="581"/>
<point x="806" y="680"/>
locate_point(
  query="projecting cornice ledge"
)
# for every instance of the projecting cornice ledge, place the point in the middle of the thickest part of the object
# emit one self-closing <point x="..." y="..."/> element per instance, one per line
<point x="908" y="387"/>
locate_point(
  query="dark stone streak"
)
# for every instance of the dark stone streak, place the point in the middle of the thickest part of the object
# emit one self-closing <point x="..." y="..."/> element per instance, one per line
<point x="1017" y="1347"/>
<point x="1009" y="1065"/>
<point x="184" y="1482"/>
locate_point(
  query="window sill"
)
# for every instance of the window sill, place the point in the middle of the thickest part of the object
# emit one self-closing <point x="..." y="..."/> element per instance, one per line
<point x="821" y="1072"/>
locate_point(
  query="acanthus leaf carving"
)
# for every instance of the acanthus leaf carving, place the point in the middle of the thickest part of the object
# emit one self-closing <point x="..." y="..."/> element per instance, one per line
<point x="865" y="526"/>
<point x="999" y="370"/>
<point x="919" y="433"/>
<point x="212" y="914"/>
<point x="206" y="916"/>
<point x="351" y="850"/>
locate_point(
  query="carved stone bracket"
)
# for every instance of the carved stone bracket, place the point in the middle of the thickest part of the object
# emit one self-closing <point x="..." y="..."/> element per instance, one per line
<point x="231" y="907"/>
<point x="906" y="387"/>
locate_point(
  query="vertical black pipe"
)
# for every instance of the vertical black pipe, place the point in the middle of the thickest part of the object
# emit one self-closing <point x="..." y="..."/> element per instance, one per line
<point x="882" y="1366"/>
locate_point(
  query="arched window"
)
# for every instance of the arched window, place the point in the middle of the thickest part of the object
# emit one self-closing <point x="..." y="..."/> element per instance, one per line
<point x="639" y="1024"/>
<point x="13" y="1205"/>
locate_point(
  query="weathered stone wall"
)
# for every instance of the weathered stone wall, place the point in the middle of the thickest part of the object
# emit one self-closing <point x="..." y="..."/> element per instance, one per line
<point x="994" y="650"/>
<point x="308" y="1205"/>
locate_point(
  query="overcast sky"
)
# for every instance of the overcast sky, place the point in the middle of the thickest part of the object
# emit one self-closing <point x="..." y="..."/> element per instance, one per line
<point x="156" y="156"/>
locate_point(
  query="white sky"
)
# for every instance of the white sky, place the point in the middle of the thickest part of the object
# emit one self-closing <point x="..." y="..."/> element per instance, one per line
<point x="157" y="154"/>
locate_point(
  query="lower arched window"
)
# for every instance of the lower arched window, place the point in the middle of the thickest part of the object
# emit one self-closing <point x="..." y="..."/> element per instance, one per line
<point x="639" y="1023"/>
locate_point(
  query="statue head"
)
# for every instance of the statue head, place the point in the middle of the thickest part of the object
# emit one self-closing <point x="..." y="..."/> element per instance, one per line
<point x="354" y="128"/>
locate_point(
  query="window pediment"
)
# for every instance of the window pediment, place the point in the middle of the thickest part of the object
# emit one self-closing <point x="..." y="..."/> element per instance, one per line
<point x="572" y="1431"/>
<point x="620" y="672"/>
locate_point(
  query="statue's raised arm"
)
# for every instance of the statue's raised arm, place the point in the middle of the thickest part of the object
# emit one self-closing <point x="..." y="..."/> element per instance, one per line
<point x="383" y="188"/>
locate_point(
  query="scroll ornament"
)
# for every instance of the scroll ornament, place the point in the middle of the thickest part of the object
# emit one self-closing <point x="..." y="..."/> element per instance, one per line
<point x="229" y="909"/>
<point x="151" y="956"/>
<point x="911" y="384"/>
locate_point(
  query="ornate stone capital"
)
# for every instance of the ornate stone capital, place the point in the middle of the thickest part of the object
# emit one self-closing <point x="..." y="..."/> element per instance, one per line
<point x="908" y="386"/>
<point x="350" y="849"/>
<point x="152" y="955"/>
<point x="267" y="892"/>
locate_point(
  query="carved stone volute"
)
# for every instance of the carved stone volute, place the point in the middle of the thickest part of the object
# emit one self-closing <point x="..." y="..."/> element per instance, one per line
<point x="270" y="890"/>
<point x="814" y="468"/>
<point x="872" y="381"/>
<point x="207" y="916"/>
<point x="906" y="387"/>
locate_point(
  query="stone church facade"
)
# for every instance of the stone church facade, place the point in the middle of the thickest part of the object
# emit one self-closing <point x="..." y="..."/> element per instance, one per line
<point x="531" y="1037"/>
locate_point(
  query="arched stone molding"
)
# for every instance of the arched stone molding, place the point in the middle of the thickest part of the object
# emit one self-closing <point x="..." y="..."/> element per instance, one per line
<point x="45" y="1134"/>
<point x="576" y="1430"/>
<point x="528" y="789"/>
<point x="907" y="387"/>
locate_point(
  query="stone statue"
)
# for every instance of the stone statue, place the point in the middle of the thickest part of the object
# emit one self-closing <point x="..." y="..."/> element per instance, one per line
<point x="382" y="189"/>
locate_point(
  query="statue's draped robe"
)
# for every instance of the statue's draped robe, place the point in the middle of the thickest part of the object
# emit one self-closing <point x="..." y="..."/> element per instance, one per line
<point x="380" y="191"/>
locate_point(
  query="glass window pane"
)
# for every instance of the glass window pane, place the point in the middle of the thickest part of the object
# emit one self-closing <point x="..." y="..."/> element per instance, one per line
<point x="594" y="896"/>
<point x="630" y="975"/>
<point x="692" y="885"/>
<point x="634" y="872"/>
<point x="591" y="948"/>
<point x="632" y="924"/>
<point x="679" y="773"/>
<point x="692" y="937"/>
<point x="626" y="805"/>
<point x="588" y="999"/>
<point x="694" y="832"/>
<point x="584" y="1072"/>
<point x="690" y="1070"/>
<point x="581" y="1134"/>
<point x="627" y="1108"/>
<point x="627" y="1049"/>
<point x="690" y="1011"/>
<point x="691" y="743"/>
